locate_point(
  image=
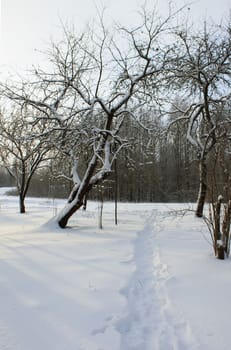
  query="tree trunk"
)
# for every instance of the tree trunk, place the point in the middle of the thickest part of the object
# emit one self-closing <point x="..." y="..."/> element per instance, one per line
<point x="77" y="202"/>
<point x="217" y="219"/>
<point x="76" y="199"/>
<point x="22" y="204"/>
<point x="85" y="202"/>
<point x="67" y="212"/>
<point x="226" y="227"/>
<point x="116" y="194"/>
<point x="202" y="189"/>
<point x="90" y="179"/>
<point x="101" y="209"/>
<point x="220" y="252"/>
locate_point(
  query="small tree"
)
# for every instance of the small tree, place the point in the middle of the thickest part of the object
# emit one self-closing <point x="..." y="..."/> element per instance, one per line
<point x="218" y="222"/>
<point x="21" y="152"/>
<point x="219" y="218"/>
<point x="202" y="75"/>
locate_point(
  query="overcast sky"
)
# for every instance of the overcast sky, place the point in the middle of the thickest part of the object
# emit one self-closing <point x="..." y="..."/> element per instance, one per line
<point x="28" y="25"/>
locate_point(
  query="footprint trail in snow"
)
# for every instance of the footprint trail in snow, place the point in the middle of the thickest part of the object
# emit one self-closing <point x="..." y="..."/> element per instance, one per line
<point x="151" y="322"/>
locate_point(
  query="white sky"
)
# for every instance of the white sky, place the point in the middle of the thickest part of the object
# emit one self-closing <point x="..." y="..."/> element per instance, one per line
<point x="28" y="25"/>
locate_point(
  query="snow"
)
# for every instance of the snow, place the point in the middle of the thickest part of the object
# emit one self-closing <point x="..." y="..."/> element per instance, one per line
<point x="149" y="283"/>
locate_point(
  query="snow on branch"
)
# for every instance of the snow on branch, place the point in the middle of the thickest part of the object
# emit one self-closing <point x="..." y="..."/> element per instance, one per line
<point x="191" y="126"/>
<point x="107" y="150"/>
<point x="106" y="168"/>
<point x="75" y="175"/>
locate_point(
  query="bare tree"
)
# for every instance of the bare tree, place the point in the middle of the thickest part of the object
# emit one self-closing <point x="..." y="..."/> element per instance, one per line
<point x="220" y="193"/>
<point x="94" y="79"/>
<point x="21" y="152"/>
<point x="202" y="76"/>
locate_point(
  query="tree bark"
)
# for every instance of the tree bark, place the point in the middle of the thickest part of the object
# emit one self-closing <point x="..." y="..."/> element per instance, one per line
<point x="22" y="204"/>
<point x="116" y="194"/>
<point x="76" y="199"/>
<point x="226" y="228"/>
<point x="202" y="189"/>
<point x="63" y="220"/>
<point x="217" y="219"/>
<point x="220" y="252"/>
<point x="85" y="202"/>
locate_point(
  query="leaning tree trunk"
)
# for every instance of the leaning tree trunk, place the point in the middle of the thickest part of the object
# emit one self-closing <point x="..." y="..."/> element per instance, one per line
<point x="81" y="190"/>
<point x="68" y="211"/>
<point x="202" y="189"/>
<point x="76" y="198"/>
<point x="91" y="177"/>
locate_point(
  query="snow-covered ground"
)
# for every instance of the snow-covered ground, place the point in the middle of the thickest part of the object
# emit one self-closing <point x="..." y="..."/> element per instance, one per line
<point x="150" y="283"/>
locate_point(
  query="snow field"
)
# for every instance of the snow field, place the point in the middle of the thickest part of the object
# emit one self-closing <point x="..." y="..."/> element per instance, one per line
<point x="150" y="283"/>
